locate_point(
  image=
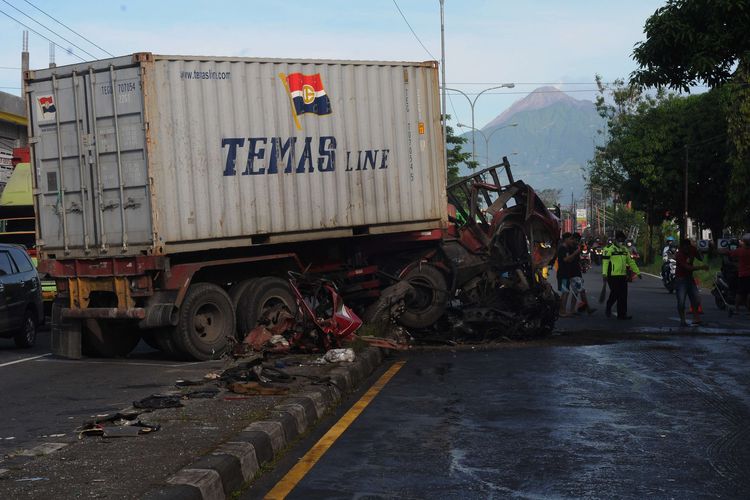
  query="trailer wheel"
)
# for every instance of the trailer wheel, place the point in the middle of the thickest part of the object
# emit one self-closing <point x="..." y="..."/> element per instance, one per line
<point x="108" y="339"/>
<point x="262" y="296"/>
<point x="164" y="338"/>
<point x="235" y="293"/>
<point x="427" y="304"/>
<point x="206" y="321"/>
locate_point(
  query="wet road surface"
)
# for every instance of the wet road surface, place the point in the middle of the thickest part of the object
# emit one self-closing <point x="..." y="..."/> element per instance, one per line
<point x="647" y="418"/>
<point x="44" y="398"/>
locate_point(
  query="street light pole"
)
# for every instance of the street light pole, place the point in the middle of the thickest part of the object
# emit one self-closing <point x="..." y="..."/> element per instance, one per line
<point x="490" y="137"/>
<point x="442" y="69"/>
<point x="472" y="102"/>
<point x="486" y="137"/>
<point x="684" y="226"/>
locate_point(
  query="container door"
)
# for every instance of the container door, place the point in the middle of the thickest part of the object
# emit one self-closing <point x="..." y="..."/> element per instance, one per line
<point x="90" y="159"/>
<point x="61" y="161"/>
<point x="116" y="127"/>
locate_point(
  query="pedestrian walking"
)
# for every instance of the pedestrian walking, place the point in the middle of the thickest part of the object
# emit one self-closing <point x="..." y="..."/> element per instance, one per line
<point x="577" y="290"/>
<point x="563" y="273"/>
<point x="616" y="261"/>
<point x="685" y="282"/>
<point x="742" y="254"/>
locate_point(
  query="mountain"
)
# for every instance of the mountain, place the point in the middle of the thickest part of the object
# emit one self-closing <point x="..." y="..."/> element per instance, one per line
<point x="552" y="143"/>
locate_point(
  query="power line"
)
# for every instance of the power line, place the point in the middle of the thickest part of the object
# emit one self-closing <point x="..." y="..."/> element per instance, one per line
<point x="528" y="83"/>
<point x="70" y="29"/>
<point x="48" y="29"/>
<point x="37" y="33"/>
<point x="9" y="67"/>
<point x="413" y="32"/>
<point x="527" y="93"/>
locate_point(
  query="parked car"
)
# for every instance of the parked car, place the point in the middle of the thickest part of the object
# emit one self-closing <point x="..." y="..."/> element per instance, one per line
<point x="21" y="310"/>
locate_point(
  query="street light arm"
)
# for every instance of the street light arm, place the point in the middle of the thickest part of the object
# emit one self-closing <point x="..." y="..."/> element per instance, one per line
<point x="460" y="92"/>
<point x="500" y="128"/>
<point x="503" y="86"/>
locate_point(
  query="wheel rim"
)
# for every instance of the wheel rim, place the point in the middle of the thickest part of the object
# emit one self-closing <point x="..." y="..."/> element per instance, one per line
<point x="270" y="308"/>
<point x="423" y="296"/>
<point x="30" y="330"/>
<point x="208" y="322"/>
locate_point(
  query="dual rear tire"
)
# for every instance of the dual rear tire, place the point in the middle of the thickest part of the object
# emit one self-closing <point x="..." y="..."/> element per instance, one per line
<point x="209" y="317"/>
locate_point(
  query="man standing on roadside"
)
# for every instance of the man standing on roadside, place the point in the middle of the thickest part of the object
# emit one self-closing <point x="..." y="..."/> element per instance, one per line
<point x="684" y="281"/>
<point x="616" y="260"/>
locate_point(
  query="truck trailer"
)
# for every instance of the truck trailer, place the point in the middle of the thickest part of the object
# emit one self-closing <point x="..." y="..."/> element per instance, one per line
<point x="173" y="193"/>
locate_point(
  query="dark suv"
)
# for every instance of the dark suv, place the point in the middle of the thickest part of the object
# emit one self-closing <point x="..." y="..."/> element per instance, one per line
<point x="21" y="310"/>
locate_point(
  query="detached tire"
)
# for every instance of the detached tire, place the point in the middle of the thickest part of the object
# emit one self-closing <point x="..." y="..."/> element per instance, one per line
<point x="261" y="296"/>
<point x="26" y="337"/>
<point x="427" y="304"/>
<point x="206" y="321"/>
<point x="108" y="339"/>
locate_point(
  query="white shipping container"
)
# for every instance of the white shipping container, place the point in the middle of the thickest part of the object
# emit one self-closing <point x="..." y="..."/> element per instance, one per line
<point x="162" y="154"/>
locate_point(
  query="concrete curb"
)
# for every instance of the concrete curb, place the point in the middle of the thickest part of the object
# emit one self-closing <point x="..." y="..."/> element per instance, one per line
<point x="217" y="475"/>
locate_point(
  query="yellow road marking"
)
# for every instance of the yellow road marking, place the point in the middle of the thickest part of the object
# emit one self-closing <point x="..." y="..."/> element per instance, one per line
<point x="295" y="475"/>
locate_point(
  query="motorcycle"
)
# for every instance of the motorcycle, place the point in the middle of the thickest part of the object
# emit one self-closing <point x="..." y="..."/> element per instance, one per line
<point x="633" y="251"/>
<point x="585" y="260"/>
<point x="596" y="254"/>
<point x="668" y="272"/>
<point x="725" y="286"/>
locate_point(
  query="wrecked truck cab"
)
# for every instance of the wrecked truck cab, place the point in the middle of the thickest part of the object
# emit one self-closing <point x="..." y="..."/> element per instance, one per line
<point x="506" y="238"/>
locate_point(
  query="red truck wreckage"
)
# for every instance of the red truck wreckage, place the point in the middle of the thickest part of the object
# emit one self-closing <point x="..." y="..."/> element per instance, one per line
<point x="478" y="280"/>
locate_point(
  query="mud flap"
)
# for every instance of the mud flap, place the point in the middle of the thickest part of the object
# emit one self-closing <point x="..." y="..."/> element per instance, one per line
<point x="65" y="334"/>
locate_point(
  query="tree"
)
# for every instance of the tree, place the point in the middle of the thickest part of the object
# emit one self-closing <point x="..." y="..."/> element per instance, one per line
<point x="693" y="41"/>
<point x="456" y="155"/>
<point x="643" y="160"/>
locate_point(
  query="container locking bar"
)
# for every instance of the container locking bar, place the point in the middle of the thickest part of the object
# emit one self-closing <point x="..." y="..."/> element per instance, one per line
<point x="60" y="170"/>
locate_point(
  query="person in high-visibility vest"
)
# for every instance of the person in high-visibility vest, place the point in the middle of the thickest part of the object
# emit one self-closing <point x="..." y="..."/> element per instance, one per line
<point x="616" y="260"/>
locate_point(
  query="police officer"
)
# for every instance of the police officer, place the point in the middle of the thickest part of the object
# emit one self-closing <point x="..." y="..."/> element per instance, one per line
<point x="616" y="260"/>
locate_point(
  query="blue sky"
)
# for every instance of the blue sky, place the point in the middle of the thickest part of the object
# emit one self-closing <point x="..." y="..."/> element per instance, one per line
<point x="529" y="43"/>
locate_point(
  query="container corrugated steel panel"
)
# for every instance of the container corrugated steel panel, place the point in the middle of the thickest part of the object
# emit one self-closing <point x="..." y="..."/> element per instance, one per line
<point x="211" y="152"/>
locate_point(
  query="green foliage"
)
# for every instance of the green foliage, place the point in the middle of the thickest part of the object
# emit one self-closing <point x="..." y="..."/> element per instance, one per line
<point x="738" y="209"/>
<point x="456" y="155"/>
<point x="692" y="41"/>
<point x="643" y="160"/>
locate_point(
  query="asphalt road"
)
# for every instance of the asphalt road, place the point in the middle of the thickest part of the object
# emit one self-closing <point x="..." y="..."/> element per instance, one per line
<point x="631" y="419"/>
<point x="44" y="399"/>
<point x="605" y="409"/>
<point x="654" y="413"/>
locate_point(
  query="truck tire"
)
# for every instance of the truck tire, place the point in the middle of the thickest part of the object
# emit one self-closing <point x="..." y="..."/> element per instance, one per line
<point x="260" y="297"/>
<point x="206" y="322"/>
<point x="164" y="340"/>
<point x="109" y="339"/>
<point x="235" y="293"/>
<point x="427" y="304"/>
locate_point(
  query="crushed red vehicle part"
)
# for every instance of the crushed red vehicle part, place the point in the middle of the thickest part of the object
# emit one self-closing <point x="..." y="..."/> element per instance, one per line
<point x="322" y="321"/>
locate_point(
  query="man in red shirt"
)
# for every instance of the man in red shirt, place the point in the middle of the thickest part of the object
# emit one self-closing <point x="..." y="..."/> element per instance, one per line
<point x="742" y="254"/>
<point x="685" y="283"/>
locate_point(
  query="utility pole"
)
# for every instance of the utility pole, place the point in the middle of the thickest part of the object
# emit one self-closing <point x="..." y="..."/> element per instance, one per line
<point x="442" y="69"/>
<point x="685" y="215"/>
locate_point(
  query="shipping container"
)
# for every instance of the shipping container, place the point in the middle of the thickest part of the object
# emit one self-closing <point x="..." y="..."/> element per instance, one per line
<point x="154" y="155"/>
